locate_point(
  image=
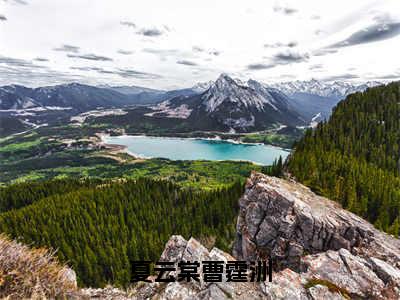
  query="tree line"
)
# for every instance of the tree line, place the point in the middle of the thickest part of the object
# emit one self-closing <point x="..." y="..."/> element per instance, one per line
<point x="354" y="158"/>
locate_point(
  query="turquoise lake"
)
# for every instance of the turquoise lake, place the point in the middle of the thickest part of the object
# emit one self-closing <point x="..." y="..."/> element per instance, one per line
<point x="195" y="149"/>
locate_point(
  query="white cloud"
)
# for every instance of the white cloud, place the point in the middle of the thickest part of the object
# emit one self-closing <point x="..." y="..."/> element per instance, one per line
<point x="207" y="37"/>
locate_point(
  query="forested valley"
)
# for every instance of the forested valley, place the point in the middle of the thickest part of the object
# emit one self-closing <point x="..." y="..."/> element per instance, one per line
<point x="100" y="227"/>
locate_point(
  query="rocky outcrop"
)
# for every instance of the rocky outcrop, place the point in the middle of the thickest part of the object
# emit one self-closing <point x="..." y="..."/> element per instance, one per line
<point x="328" y="275"/>
<point x="316" y="238"/>
<point x="107" y="293"/>
<point x="285" y="220"/>
<point x="178" y="249"/>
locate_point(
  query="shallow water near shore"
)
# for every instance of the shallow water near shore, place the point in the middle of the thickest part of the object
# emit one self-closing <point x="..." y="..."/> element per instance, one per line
<point x="196" y="149"/>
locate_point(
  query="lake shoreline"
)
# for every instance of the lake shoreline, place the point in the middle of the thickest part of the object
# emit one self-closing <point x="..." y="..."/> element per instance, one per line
<point x="125" y="148"/>
<point x="268" y="137"/>
<point x="215" y="138"/>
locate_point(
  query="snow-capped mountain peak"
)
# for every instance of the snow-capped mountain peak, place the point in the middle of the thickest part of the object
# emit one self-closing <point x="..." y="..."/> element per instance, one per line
<point x="226" y="89"/>
<point x="229" y="104"/>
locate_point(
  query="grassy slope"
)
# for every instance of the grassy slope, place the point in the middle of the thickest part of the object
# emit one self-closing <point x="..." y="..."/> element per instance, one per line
<point x="31" y="273"/>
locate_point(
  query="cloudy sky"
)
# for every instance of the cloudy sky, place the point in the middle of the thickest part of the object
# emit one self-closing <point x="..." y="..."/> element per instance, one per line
<point x="175" y="43"/>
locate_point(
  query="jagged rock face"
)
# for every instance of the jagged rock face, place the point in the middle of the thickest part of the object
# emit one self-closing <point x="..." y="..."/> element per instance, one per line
<point x="226" y="89"/>
<point x="286" y="221"/>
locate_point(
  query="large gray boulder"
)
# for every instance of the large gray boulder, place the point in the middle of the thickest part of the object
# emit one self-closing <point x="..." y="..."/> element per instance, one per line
<point x="178" y="249"/>
<point x="286" y="221"/>
<point x="315" y="238"/>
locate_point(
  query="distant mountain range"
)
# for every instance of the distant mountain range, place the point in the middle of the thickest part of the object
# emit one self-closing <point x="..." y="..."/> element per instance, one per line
<point x="131" y="90"/>
<point x="334" y="90"/>
<point x="225" y="104"/>
<point x="231" y="104"/>
<point x="82" y="97"/>
<point x="317" y="98"/>
<point x="75" y="96"/>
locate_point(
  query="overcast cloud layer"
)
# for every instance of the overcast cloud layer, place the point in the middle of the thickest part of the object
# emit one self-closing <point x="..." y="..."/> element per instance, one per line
<point x="175" y="43"/>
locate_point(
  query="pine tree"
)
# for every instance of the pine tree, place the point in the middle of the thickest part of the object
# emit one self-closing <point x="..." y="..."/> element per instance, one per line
<point x="354" y="157"/>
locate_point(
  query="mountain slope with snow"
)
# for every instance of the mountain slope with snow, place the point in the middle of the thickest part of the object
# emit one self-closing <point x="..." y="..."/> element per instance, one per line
<point x="313" y="97"/>
<point x="145" y="96"/>
<point x="77" y="96"/>
<point x="229" y="105"/>
<point x="16" y="97"/>
<point x="336" y="90"/>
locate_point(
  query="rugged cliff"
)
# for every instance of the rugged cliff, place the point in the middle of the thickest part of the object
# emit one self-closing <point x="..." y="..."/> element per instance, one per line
<point x="317" y="239"/>
<point x="285" y="220"/>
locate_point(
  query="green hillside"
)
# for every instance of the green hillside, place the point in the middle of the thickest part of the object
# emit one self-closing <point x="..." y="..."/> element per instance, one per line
<point x="354" y="158"/>
<point x="99" y="228"/>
